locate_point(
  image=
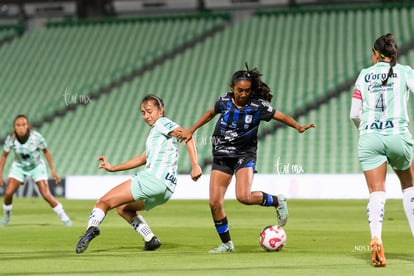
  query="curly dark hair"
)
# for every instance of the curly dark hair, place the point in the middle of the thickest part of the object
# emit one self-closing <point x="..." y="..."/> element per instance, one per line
<point x="260" y="89"/>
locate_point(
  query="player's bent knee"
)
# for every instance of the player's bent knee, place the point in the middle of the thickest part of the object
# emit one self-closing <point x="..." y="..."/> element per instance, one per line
<point x="104" y="204"/>
<point x="120" y="210"/>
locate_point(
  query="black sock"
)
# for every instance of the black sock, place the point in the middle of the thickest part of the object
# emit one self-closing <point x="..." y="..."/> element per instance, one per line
<point x="222" y="228"/>
<point x="269" y="200"/>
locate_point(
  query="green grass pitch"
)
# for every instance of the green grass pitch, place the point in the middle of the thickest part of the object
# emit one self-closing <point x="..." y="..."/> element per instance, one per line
<point x="325" y="237"/>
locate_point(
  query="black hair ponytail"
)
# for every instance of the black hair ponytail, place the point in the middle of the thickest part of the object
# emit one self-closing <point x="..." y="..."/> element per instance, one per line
<point x="387" y="47"/>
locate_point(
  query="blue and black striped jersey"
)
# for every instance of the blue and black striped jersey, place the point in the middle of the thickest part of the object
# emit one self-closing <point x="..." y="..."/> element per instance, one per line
<point x="236" y="130"/>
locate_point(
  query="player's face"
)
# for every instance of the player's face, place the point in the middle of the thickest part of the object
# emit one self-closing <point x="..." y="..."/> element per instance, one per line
<point x="242" y="90"/>
<point x="21" y="126"/>
<point x="150" y="112"/>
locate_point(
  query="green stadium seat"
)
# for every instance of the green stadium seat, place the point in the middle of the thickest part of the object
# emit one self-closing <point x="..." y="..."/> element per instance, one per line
<point x="302" y="56"/>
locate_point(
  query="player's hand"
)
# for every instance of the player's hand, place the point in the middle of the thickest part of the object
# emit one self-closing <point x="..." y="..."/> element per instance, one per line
<point x="302" y="129"/>
<point x="184" y="135"/>
<point x="104" y="164"/>
<point x="56" y="177"/>
<point x="1" y="181"/>
<point x="196" y="173"/>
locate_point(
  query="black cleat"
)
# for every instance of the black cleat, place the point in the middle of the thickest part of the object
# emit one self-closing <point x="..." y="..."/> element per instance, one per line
<point x="153" y="244"/>
<point x="89" y="235"/>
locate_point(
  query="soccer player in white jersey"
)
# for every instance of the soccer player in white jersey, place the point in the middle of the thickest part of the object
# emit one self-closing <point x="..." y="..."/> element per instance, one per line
<point x="148" y="188"/>
<point x="27" y="146"/>
<point x="379" y="111"/>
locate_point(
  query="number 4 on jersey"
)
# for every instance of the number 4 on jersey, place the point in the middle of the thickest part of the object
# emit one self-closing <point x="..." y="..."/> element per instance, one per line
<point x="380" y="103"/>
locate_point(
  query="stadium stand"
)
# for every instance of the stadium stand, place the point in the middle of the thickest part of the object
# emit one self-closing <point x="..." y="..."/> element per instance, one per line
<point x="6" y="33"/>
<point x="10" y="30"/>
<point x="60" y="68"/>
<point x="309" y="57"/>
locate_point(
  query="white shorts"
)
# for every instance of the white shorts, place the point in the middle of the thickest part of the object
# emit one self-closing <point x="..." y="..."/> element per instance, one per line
<point x="150" y="189"/>
<point x="39" y="173"/>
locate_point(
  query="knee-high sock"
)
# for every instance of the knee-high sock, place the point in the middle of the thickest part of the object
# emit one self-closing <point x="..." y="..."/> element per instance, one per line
<point x="96" y="217"/>
<point x="58" y="209"/>
<point x="408" y="204"/>
<point x="375" y="212"/>
<point x="222" y="228"/>
<point x="7" y="209"/>
<point x="139" y="224"/>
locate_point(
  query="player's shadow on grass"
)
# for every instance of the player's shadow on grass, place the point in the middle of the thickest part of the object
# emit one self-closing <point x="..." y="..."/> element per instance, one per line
<point x="31" y="225"/>
<point x="22" y="223"/>
<point x="168" y="247"/>
<point x="37" y="255"/>
<point x="139" y="247"/>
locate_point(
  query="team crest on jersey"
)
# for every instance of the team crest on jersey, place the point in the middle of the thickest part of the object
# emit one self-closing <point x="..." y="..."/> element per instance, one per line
<point x="248" y="119"/>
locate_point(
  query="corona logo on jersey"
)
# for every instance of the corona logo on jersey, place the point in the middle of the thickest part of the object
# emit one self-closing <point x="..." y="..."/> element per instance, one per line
<point x="380" y="76"/>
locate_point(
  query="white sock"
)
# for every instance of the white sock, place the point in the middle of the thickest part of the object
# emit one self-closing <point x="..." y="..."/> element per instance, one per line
<point x="7" y="209"/>
<point x="375" y="212"/>
<point x="139" y="224"/>
<point x="96" y="217"/>
<point x="58" y="209"/>
<point x="408" y="204"/>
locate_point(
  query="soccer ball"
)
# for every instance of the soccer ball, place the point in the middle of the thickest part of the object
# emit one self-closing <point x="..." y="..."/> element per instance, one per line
<point x="272" y="238"/>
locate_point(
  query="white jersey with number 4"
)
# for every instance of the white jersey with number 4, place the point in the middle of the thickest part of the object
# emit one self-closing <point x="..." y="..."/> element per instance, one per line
<point x="384" y="107"/>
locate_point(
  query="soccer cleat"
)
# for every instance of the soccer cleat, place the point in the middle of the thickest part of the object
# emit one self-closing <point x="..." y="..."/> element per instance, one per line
<point x="67" y="223"/>
<point x="282" y="210"/>
<point x="223" y="248"/>
<point x="89" y="235"/>
<point x="6" y="218"/>
<point x="153" y="244"/>
<point x="4" y="221"/>
<point x="377" y="253"/>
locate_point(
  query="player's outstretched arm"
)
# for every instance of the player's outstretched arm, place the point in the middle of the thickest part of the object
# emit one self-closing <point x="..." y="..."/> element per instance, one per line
<point x="186" y="134"/>
<point x="130" y="164"/>
<point x="49" y="159"/>
<point x="192" y="153"/>
<point x="2" y="163"/>
<point x="289" y="121"/>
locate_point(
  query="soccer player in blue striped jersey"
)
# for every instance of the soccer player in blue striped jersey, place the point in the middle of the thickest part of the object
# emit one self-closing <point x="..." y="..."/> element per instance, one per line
<point x="28" y="146"/>
<point x="234" y="145"/>
<point x="379" y="111"/>
<point x="150" y="187"/>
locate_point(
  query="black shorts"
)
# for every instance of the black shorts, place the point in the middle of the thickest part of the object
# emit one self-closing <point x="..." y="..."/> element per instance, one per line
<point x="230" y="165"/>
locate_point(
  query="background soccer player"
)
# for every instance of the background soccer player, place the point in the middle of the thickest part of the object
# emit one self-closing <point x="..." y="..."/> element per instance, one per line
<point x="234" y="144"/>
<point x="27" y="145"/>
<point x="379" y="111"/>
